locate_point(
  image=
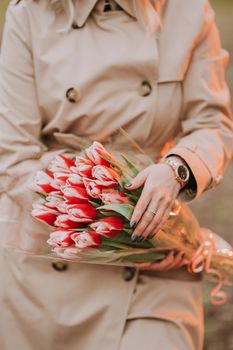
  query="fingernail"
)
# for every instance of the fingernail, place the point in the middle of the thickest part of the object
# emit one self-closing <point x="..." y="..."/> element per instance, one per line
<point x="133" y="224"/>
<point x="141" y="238"/>
<point x="136" y="238"/>
<point x="128" y="184"/>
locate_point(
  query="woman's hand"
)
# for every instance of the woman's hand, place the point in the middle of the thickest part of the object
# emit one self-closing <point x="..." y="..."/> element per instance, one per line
<point x="171" y="262"/>
<point x="156" y="201"/>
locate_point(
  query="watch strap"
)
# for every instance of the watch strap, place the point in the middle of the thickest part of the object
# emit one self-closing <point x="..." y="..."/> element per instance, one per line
<point x="175" y="164"/>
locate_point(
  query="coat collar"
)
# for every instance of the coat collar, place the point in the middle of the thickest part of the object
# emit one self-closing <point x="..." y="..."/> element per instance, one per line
<point x="85" y="7"/>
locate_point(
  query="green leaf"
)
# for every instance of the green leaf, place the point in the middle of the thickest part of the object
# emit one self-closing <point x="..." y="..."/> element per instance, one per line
<point x="114" y="162"/>
<point x="133" y="198"/>
<point x="43" y="196"/>
<point x="81" y="229"/>
<point x="121" y="184"/>
<point x="121" y="168"/>
<point x="132" y="168"/>
<point x="116" y="245"/>
<point x="94" y="204"/>
<point x="125" y="210"/>
<point x="125" y="238"/>
<point x="129" y="231"/>
<point x="107" y="213"/>
<point x="145" y="257"/>
<point x="57" y="196"/>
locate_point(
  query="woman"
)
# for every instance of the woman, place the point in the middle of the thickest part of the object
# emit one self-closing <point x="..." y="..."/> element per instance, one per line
<point x="81" y="70"/>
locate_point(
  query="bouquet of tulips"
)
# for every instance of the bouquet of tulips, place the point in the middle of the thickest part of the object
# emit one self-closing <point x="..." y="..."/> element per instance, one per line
<point x="84" y="200"/>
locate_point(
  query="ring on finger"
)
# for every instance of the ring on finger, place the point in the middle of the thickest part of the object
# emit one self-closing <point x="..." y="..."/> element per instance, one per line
<point x="152" y="212"/>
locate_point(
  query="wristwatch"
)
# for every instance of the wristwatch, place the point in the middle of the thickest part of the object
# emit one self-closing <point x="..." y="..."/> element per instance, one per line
<point x="180" y="170"/>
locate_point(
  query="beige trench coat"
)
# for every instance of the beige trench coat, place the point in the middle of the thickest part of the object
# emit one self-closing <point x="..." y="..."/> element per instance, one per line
<point x="58" y="84"/>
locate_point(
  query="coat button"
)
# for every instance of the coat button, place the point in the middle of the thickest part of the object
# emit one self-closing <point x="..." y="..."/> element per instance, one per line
<point x="145" y="89"/>
<point x="129" y="273"/>
<point x="59" y="266"/>
<point x="73" y="95"/>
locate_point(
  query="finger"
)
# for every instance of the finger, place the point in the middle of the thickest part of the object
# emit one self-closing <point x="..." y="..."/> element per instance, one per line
<point x="142" y="224"/>
<point x="158" y="266"/>
<point x="165" y="264"/>
<point x="178" y="261"/>
<point x="140" y="207"/>
<point x="143" y="266"/>
<point x="137" y="181"/>
<point x="150" y="230"/>
<point x="172" y="262"/>
<point x="162" y="221"/>
<point x="163" y="204"/>
<point x="165" y="215"/>
<point x="155" y="203"/>
<point x="146" y="216"/>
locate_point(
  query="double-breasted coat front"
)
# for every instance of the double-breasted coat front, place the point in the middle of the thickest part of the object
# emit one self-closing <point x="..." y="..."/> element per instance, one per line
<point x="61" y="84"/>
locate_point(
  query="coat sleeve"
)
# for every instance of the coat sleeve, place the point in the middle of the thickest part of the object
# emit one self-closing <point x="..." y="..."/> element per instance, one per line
<point x="207" y="130"/>
<point x="21" y="151"/>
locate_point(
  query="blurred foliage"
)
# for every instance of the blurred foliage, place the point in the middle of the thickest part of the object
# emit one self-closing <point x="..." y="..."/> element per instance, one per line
<point x="3" y="6"/>
<point x="214" y="208"/>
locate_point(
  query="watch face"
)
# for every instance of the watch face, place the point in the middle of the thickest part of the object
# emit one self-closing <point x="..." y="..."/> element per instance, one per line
<point x="182" y="172"/>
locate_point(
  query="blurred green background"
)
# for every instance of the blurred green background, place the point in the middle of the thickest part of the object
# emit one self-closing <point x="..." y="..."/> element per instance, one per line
<point x="3" y="5"/>
<point x="215" y="208"/>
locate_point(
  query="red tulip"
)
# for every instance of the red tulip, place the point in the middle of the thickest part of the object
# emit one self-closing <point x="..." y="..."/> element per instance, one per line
<point x="43" y="182"/>
<point x="61" y="176"/>
<point x="53" y="199"/>
<point x="86" y="239"/>
<point x="110" y="196"/>
<point x="83" y="166"/>
<point x="75" y="180"/>
<point x="61" y="238"/>
<point x="62" y="207"/>
<point x="75" y="194"/>
<point x="64" y="221"/>
<point x="58" y="183"/>
<point x="61" y="164"/>
<point x="92" y="188"/>
<point x="44" y="214"/>
<point x="109" y="226"/>
<point x="95" y="151"/>
<point x="85" y="213"/>
<point x="105" y="176"/>
<point x="59" y="180"/>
